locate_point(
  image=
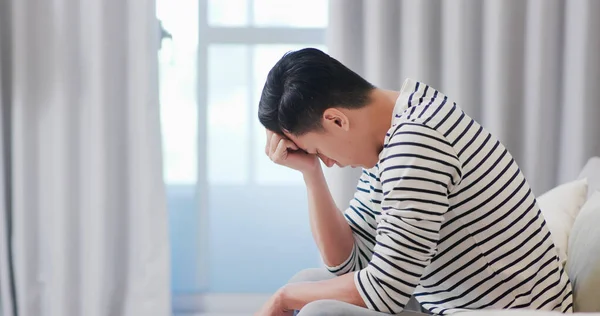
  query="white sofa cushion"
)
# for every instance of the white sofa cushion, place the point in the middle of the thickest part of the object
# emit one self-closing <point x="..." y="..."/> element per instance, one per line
<point x="591" y="171"/>
<point x="560" y="207"/>
<point x="583" y="265"/>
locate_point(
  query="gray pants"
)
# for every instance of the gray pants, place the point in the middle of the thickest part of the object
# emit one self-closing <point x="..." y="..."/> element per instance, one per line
<point x="337" y="308"/>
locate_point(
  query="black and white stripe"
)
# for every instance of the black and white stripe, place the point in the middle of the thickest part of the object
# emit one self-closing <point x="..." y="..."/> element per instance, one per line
<point x="447" y="215"/>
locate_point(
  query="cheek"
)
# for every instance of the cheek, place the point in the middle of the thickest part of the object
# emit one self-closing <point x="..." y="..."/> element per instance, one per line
<point x="340" y="149"/>
<point x="347" y="151"/>
<point x="356" y="153"/>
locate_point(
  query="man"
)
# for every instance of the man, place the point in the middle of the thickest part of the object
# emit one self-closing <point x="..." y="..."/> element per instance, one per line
<point x="441" y="212"/>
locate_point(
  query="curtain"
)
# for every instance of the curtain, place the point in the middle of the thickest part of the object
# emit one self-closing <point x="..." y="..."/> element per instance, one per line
<point x="7" y="289"/>
<point x="528" y="71"/>
<point x="83" y="208"/>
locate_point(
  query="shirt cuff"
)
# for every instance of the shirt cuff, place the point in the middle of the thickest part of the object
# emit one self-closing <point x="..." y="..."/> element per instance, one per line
<point x="345" y="266"/>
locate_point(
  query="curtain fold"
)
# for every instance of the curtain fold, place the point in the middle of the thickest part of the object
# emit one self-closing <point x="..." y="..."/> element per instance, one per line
<point x="7" y="281"/>
<point x="529" y="71"/>
<point x="89" y="225"/>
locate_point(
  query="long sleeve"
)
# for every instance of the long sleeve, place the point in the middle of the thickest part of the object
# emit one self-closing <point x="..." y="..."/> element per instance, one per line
<point x="360" y="215"/>
<point x="418" y="168"/>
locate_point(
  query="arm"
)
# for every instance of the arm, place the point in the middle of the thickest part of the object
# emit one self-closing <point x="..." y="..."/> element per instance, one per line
<point x="346" y="240"/>
<point x="334" y="236"/>
<point x="359" y="222"/>
<point x="296" y="295"/>
<point x="418" y="170"/>
<point x="331" y="232"/>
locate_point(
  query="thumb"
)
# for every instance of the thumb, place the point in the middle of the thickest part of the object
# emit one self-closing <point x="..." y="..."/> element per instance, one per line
<point x="292" y="145"/>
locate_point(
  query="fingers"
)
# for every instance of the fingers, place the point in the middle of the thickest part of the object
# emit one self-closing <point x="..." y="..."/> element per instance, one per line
<point x="276" y="147"/>
<point x="291" y="145"/>
<point x="280" y="152"/>
<point x="273" y="143"/>
<point x="268" y="142"/>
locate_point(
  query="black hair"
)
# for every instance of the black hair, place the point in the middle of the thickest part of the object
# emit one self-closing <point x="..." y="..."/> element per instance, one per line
<point x="302" y="85"/>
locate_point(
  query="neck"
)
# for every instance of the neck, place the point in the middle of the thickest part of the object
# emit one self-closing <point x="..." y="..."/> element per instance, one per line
<point x="380" y="116"/>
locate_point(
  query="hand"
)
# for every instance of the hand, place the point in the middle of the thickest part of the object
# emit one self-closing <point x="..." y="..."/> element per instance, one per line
<point x="275" y="307"/>
<point x="283" y="151"/>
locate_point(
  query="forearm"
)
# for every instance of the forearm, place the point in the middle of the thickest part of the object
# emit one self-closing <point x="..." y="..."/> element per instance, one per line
<point x="297" y="295"/>
<point x="330" y="229"/>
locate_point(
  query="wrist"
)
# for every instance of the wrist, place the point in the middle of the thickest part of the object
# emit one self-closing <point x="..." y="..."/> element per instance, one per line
<point x="283" y="297"/>
<point x="294" y="296"/>
<point x="312" y="173"/>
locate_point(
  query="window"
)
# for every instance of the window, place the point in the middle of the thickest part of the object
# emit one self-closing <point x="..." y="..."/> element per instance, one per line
<point x="239" y="223"/>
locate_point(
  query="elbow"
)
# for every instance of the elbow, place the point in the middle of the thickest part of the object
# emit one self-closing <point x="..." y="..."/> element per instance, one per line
<point x="350" y="264"/>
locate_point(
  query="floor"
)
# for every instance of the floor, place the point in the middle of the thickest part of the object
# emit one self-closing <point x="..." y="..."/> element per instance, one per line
<point x="218" y="304"/>
<point x="210" y="315"/>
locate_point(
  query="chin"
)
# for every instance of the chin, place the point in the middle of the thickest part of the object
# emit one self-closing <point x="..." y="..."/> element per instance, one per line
<point x="370" y="164"/>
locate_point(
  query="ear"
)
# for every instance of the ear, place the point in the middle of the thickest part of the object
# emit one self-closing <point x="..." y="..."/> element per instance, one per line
<point x="335" y="118"/>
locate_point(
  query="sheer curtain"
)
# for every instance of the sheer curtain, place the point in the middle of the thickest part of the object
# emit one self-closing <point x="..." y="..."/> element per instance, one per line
<point x="529" y="71"/>
<point x="83" y="211"/>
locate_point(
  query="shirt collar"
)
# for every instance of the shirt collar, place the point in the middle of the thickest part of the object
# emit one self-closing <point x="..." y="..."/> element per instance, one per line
<point x="408" y="87"/>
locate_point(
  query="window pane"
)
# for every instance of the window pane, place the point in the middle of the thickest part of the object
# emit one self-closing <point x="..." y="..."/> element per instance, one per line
<point x="177" y="69"/>
<point x="291" y="13"/>
<point x="227" y="12"/>
<point x="255" y="222"/>
<point x="228" y="114"/>
<point x="177" y="64"/>
<point x="265" y="56"/>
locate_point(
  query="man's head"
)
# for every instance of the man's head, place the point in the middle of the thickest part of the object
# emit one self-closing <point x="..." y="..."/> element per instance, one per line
<point x="313" y="99"/>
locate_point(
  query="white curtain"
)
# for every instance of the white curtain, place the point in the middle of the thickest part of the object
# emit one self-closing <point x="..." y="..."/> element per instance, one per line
<point x="85" y="201"/>
<point x="529" y="71"/>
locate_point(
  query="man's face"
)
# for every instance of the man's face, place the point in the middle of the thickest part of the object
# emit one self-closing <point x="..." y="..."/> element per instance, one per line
<point x="337" y="146"/>
<point x="327" y="147"/>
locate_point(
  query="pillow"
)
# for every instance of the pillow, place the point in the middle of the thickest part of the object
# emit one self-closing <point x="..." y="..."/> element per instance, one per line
<point x="583" y="266"/>
<point x="560" y="207"/>
<point x="591" y="171"/>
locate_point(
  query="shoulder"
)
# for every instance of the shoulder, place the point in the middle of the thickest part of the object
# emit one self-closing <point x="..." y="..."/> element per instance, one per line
<point x="415" y="136"/>
<point x="416" y="147"/>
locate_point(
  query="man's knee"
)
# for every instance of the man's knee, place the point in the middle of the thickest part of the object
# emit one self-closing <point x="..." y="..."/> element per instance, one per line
<point x="322" y="308"/>
<point x="312" y="275"/>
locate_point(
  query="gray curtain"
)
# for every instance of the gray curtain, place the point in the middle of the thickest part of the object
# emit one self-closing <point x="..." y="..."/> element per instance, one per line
<point x="528" y="71"/>
<point x="7" y="285"/>
<point x="83" y="216"/>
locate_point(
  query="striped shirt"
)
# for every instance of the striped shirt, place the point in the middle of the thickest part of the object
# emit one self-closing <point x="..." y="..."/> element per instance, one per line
<point x="447" y="216"/>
